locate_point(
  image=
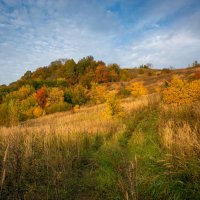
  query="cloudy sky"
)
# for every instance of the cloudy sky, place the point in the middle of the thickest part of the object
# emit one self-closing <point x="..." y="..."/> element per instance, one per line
<point x="129" y="32"/>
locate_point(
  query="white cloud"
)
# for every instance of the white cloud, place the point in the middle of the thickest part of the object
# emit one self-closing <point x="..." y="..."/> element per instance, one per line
<point x="37" y="32"/>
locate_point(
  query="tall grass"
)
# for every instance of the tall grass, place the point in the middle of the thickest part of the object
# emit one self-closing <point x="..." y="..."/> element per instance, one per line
<point x="152" y="153"/>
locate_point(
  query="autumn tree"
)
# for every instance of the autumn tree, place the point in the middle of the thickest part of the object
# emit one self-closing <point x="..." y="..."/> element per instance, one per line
<point x="70" y="71"/>
<point x="83" y="64"/>
<point x="41" y="97"/>
<point x="115" y="67"/>
<point x="102" y="74"/>
<point x="55" y="96"/>
<point x="113" y="107"/>
<point x="20" y="94"/>
<point x="13" y="113"/>
<point x="98" y="93"/>
<point x="79" y="95"/>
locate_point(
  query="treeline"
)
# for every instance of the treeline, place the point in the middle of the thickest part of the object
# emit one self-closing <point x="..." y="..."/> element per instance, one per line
<point x="69" y="73"/>
<point x="65" y="85"/>
<point x="59" y="87"/>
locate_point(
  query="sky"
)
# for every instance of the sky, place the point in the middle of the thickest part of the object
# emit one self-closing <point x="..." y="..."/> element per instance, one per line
<point x="128" y="32"/>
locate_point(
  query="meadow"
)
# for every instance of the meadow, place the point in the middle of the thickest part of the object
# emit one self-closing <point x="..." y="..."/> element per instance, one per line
<point x="112" y="134"/>
<point x="151" y="152"/>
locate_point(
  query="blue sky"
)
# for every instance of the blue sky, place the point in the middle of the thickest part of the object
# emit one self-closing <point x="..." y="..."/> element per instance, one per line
<point x="129" y="32"/>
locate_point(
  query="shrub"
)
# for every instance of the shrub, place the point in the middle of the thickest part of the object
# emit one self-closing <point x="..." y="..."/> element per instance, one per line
<point x="180" y="91"/>
<point x="38" y="112"/>
<point x="112" y="104"/>
<point x="58" y="108"/>
<point x="137" y="89"/>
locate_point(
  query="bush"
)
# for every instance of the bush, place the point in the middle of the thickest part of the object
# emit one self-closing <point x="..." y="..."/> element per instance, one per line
<point x="180" y="91"/>
<point x="137" y="89"/>
<point x="38" y="112"/>
<point x="112" y="105"/>
<point x="58" y="108"/>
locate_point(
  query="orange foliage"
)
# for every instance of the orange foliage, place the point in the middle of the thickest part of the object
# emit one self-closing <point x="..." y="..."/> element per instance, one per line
<point x="98" y="93"/>
<point x="55" y="96"/>
<point x="137" y="89"/>
<point x="181" y="92"/>
<point x="102" y="74"/>
<point x="41" y="97"/>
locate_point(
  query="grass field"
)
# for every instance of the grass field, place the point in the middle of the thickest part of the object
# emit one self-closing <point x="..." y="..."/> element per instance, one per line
<point x="151" y="152"/>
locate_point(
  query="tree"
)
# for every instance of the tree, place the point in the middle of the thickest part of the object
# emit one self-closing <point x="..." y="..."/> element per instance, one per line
<point x="13" y="113"/>
<point x="79" y="95"/>
<point x="114" y="67"/>
<point x="55" y="96"/>
<point x="70" y="71"/>
<point x="98" y="93"/>
<point x="83" y="64"/>
<point x="112" y="104"/>
<point x="41" y="97"/>
<point x="102" y="74"/>
<point x="26" y="75"/>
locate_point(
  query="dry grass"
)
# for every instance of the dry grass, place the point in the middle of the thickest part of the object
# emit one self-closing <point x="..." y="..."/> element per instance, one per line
<point x="179" y="130"/>
<point x="47" y="149"/>
<point x="180" y="141"/>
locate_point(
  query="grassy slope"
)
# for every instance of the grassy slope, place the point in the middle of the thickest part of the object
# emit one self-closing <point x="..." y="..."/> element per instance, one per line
<point x="87" y="155"/>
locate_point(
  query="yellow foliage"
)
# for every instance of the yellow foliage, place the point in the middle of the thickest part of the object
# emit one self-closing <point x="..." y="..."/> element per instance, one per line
<point x="137" y="89"/>
<point x="98" y="93"/>
<point x="56" y="96"/>
<point x="113" y="105"/>
<point x="38" y="111"/>
<point x="181" y="92"/>
<point x="20" y="94"/>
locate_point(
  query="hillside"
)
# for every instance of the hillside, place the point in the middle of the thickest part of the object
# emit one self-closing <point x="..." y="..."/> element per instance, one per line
<point x="65" y="84"/>
<point x="125" y="134"/>
<point x="91" y="155"/>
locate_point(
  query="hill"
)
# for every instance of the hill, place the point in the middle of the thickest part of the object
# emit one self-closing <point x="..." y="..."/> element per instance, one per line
<point x="101" y="133"/>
